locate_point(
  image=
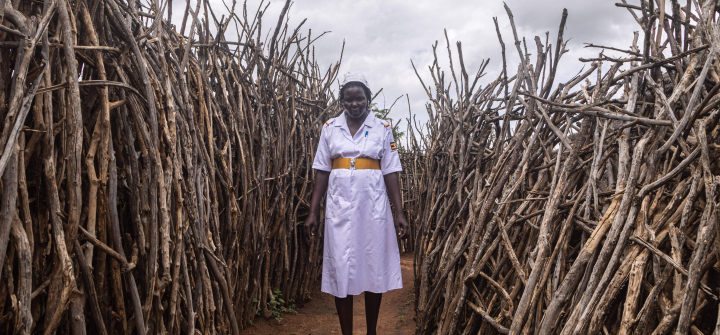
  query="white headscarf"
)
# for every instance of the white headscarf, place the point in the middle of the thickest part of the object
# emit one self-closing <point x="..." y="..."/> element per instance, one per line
<point x="355" y="76"/>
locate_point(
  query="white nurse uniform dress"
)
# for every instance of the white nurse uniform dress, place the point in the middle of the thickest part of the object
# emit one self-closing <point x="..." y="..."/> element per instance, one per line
<point x="360" y="250"/>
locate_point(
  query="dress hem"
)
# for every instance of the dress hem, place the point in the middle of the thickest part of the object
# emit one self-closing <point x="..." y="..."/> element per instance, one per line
<point x="371" y="291"/>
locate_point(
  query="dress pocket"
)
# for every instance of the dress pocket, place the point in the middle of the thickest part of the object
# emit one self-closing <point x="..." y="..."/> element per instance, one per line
<point x="331" y="204"/>
<point x="380" y="204"/>
<point x="372" y="147"/>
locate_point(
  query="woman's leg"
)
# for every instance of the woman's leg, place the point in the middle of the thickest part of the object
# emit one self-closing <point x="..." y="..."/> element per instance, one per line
<point x="372" y="309"/>
<point x="344" y="308"/>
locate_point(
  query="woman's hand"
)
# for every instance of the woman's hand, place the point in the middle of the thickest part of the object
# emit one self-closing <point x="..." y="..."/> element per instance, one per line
<point x="392" y="183"/>
<point x="321" y="183"/>
<point x="404" y="227"/>
<point x="311" y="225"/>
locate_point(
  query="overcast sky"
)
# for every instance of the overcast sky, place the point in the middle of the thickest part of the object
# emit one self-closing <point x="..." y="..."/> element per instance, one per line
<point x="382" y="36"/>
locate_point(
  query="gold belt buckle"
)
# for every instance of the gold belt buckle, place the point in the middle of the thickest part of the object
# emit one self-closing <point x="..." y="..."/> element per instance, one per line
<point x="352" y="163"/>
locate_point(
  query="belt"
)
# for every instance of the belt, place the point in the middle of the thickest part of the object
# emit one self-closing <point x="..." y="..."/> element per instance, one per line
<point x="356" y="163"/>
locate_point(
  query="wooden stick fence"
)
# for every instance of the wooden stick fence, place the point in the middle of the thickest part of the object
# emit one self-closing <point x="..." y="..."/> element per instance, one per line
<point x="583" y="207"/>
<point x="172" y="167"/>
<point x="153" y="179"/>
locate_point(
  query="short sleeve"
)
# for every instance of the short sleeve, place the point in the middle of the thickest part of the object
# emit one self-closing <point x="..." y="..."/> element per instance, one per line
<point x="322" y="155"/>
<point x="390" y="160"/>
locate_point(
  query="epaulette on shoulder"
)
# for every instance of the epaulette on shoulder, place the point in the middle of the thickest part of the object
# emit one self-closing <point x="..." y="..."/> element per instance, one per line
<point x="329" y="122"/>
<point x="384" y="123"/>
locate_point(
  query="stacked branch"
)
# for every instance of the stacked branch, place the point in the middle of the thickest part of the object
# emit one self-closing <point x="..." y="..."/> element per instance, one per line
<point x="583" y="207"/>
<point x="154" y="173"/>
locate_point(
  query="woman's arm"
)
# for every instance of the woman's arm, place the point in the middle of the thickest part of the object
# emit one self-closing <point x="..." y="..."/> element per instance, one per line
<point x="392" y="183"/>
<point x="321" y="183"/>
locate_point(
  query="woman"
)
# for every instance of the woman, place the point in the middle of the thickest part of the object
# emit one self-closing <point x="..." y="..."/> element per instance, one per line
<point x="358" y="159"/>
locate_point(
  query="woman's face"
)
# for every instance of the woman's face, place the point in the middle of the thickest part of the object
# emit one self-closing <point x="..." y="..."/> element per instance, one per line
<point x="355" y="102"/>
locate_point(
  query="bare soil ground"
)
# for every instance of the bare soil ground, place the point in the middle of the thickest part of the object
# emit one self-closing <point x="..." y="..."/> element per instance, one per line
<point x="317" y="316"/>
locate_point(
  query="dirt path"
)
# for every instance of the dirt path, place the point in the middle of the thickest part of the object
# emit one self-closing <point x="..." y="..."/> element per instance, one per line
<point x="318" y="316"/>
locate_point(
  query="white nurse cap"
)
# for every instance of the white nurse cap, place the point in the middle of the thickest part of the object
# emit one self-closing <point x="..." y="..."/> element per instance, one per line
<point x="355" y="76"/>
